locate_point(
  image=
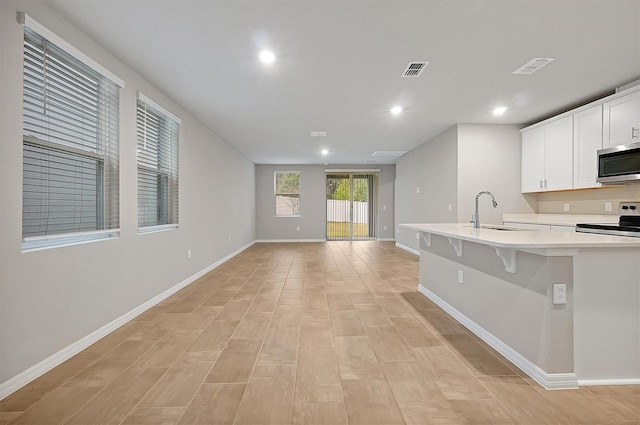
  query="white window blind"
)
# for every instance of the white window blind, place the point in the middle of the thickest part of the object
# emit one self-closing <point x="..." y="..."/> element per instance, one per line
<point x="157" y="137"/>
<point x="70" y="148"/>
<point x="287" y="193"/>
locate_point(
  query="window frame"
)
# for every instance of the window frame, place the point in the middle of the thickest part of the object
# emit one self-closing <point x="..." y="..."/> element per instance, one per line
<point x="105" y="156"/>
<point x="172" y="205"/>
<point x="275" y="193"/>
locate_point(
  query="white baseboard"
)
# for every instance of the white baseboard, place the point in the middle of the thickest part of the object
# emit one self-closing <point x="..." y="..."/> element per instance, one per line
<point x="39" y="369"/>
<point x="406" y="248"/>
<point x="288" y="240"/>
<point x="386" y="239"/>
<point x="598" y="382"/>
<point x="550" y="381"/>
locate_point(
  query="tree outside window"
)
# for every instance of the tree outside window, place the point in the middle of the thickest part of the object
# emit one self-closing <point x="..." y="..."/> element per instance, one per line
<point x="287" y="193"/>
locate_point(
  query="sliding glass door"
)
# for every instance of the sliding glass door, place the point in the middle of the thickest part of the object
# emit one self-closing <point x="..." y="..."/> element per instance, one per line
<point x="351" y="206"/>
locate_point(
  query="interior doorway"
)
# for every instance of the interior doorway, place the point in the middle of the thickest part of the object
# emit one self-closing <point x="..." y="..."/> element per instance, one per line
<point x="352" y="199"/>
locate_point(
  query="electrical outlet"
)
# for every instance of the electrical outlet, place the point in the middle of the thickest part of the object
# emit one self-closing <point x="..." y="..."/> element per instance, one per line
<point x="385" y="227"/>
<point x="384" y="208"/>
<point x="450" y="207"/>
<point x="567" y="207"/>
<point x="298" y="228"/>
<point x="418" y="236"/>
<point x="460" y="277"/>
<point x="189" y="254"/>
<point x="608" y="207"/>
<point x="417" y="189"/>
<point x="559" y="293"/>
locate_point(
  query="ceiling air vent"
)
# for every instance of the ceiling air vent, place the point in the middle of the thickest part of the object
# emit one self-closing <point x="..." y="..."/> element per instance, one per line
<point x="414" y="69"/>
<point x="532" y="66"/>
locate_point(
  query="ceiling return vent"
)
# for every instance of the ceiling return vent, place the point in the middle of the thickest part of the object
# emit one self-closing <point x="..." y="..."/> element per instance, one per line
<point x="532" y="66"/>
<point x="414" y="69"/>
<point x="388" y="153"/>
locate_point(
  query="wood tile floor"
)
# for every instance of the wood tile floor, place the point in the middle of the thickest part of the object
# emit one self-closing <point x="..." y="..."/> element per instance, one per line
<point x="310" y="333"/>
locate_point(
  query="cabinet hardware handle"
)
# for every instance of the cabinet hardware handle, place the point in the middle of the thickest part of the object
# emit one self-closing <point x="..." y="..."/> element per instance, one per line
<point x="540" y="183"/>
<point x="635" y="132"/>
<point x="545" y="184"/>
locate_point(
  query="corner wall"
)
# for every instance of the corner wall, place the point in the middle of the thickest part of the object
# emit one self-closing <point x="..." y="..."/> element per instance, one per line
<point x="451" y="169"/>
<point x="490" y="158"/>
<point x="52" y="298"/>
<point x="432" y="167"/>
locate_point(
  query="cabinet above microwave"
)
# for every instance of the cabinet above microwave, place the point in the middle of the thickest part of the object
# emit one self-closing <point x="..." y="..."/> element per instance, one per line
<point x="608" y="122"/>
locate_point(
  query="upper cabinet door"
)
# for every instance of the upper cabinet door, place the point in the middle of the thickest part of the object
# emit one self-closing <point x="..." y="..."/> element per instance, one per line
<point x="533" y="160"/>
<point x="587" y="139"/>
<point x="621" y="120"/>
<point x="559" y="154"/>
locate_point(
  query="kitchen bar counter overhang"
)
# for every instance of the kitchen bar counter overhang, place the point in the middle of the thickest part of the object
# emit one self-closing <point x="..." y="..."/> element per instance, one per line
<point x="507" y="299"/>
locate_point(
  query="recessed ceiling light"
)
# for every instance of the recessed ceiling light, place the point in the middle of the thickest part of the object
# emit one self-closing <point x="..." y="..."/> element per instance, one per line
<point x="267" y="56"/>
<point x="396" y="110"/>
<point x="324" y="151"/>
<point x="499" y="110"/>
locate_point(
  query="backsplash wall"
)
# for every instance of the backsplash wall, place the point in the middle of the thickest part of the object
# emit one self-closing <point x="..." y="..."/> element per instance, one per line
<point x="587" y="201"/>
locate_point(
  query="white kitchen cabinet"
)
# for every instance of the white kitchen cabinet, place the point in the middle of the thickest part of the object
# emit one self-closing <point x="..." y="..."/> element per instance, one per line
<point x="538" y="226"/>
<point x="527" y="226"/>
<point x="533" y="160"/>
<point x="587" y="139"/>
<point x="621" y="120"/>
<point x="547" y="156"/>
<point x="558" y="228"/>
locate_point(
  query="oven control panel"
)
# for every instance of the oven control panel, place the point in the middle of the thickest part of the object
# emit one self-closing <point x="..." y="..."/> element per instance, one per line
<point x="629" y="208"/>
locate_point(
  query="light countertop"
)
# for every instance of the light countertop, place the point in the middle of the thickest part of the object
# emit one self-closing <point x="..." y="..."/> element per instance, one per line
<point x="524" y="239"/>
<point x="559" y="219"/>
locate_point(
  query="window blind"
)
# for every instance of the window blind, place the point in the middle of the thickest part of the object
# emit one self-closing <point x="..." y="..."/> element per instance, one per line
<point x="70" y="145"/>
<point x="157" y="139"/>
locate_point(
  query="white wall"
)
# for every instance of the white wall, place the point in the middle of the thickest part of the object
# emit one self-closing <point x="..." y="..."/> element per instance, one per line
<point x="587" y="201"/>
<point x="451" y="169"/>
<point x="50" y="299"/>
<point x="313" y="210"/>
<point x="489" y="158"/>
<point x="432" y="167"/>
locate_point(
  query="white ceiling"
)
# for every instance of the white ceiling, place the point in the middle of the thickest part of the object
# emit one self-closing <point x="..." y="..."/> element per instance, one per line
<point x="339" y="64"/>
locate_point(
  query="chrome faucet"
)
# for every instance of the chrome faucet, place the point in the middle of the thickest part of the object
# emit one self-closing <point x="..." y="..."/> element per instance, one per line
<point x="476" y="217"/>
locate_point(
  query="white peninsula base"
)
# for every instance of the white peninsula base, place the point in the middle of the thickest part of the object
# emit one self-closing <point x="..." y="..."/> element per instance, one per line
<point x="499" y="284"/>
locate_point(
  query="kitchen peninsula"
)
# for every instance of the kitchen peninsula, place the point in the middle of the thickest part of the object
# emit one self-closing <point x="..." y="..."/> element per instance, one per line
<point x="500" y="284"/>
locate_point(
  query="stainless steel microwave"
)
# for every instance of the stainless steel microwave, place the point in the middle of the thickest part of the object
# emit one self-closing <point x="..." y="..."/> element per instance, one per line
<point x="619" y="164"/>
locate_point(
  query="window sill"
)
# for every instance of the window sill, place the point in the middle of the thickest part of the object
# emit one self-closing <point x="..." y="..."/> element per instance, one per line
<point x="156" y="229"/>
<point x="39" y="243"/>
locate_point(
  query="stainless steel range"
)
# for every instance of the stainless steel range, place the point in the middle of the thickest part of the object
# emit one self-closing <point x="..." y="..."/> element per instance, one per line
<point x="628" y="224"/>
